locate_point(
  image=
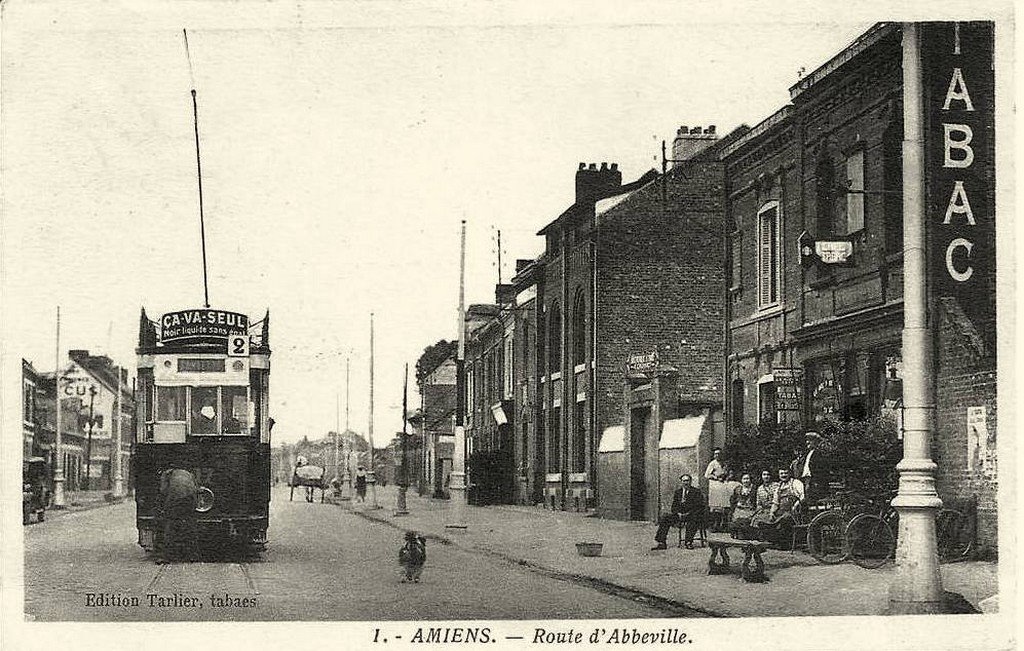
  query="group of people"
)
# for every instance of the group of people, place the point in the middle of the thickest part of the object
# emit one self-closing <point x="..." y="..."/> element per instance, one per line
<point x="766" y="511"/>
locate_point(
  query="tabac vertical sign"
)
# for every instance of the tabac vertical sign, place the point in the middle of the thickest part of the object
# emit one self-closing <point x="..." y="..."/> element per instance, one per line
<point x="960" y="100"/>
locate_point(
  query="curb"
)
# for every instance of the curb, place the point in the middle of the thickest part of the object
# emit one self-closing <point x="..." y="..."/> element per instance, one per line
<point x="602" y="585"/>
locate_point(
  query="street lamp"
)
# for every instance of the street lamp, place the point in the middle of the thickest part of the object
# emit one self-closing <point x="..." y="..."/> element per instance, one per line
<point x="88" y="445"/>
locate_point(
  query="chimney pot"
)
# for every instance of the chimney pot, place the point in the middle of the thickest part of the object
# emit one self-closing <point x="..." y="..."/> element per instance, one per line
<point x="604" y="167"/>
<point x="695" y="130"/>
<point x="681" y="131"/>
<point x="593" y="166"/>
<point x="583" y="166"/>
<point x="615" y="167"/>
<point x="710" y="129"/>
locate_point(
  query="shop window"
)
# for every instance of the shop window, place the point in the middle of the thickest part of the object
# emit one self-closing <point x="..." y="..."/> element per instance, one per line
<point x="737" y="402"/>
<point x="767" y="412"/>
<point x="554" y="440"/>
<point x="579" y="439"/>
<point x="855" y="192"/>
<point x="768" y="255"/>
<point x="555" y="339"/>
<point x="170" y="404"/>
<point x="579" y="330"/>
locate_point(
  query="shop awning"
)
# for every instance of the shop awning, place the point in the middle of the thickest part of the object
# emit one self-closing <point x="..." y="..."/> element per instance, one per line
<point x="681" y="432"/>
<point x="613" y="439"/>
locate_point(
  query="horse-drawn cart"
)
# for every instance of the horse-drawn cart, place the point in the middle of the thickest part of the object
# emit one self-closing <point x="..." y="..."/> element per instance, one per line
<point x="309" y="477"/>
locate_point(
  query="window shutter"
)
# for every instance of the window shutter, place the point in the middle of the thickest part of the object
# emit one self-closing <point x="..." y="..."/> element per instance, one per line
<point x="764" y="257"/>
<point x="737" y="251"/>
<point x="855" y="201"/>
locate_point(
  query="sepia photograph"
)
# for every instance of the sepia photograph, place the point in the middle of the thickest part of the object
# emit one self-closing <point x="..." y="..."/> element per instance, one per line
<point x="366" y="324"/>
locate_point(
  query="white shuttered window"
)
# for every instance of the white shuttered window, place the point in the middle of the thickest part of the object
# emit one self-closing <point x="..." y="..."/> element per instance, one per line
<point x="855" y="198"/>
<point x="768" y="255"/>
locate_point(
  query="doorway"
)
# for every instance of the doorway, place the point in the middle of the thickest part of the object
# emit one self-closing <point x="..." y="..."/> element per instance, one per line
<point x="638" y="463"/>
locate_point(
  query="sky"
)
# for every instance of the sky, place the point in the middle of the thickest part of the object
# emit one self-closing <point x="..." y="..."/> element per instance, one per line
<point x="342" y="144"/>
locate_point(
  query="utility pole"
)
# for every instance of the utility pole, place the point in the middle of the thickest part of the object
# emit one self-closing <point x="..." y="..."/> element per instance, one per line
<point x="347" y="478"/>
<point x="917" y="584"/>
<point x="457" y="486"/>
<point x="337" y="433"/>
<point x="373" y="486"/>
<point x="403" y="484"/>
<point x="117" y="483"/>
<point x="88" y="445"/>
<point x="58" y="475"/>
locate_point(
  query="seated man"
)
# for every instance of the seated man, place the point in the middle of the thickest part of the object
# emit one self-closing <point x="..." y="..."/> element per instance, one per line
<point x="687" y="510"/>
<point x="786" y="502"/>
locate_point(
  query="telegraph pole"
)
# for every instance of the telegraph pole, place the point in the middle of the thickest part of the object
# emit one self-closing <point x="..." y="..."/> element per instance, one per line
<point x="403" y="484"/>
<point x="917" y="585"/>
<point x="457" y="486"/>
<point x="58" y="475"/>
<point x="373" y="486"/>
<point x="117" y="488"/>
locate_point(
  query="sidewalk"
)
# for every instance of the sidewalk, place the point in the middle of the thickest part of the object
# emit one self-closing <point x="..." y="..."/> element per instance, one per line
<point x="546" y="540"/>
<point x="75" y="501"/>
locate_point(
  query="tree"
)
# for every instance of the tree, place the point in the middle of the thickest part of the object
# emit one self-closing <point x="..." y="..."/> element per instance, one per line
<point x="432" y="357"/>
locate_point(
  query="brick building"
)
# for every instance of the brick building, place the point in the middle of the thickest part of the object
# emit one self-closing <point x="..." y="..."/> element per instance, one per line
<point x="815" y="274"/>
<point x="629" y="272"/>
<point x="436" y="423"/>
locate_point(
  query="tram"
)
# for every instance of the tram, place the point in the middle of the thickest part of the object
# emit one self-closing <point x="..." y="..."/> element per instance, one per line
<point x="201" y="450"/>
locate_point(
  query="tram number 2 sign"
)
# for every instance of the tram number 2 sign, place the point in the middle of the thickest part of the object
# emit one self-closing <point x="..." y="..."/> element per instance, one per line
<point x="238" y="346"/>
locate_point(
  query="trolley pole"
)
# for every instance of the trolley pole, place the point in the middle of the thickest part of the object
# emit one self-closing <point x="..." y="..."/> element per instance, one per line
<point x="917" y="585"/>
<point x="117" y="487"/>
<point x="373" y="471"/>
<point x="403" y="483"/>
<point x="58" y="475"/>
<point x="457" y="486"/>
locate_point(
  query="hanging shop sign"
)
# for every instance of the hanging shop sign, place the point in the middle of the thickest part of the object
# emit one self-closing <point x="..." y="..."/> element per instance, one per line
<point x="202" y="325"/>
<point x="959" y="94"/>
<point x="837" y="252"/>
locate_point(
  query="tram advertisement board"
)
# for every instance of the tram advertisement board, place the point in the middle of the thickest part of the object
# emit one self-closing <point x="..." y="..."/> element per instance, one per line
<point x="202" y="325"/>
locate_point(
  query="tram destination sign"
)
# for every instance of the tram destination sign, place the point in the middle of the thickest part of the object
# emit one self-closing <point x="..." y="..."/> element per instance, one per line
<point x="202" y="325"/>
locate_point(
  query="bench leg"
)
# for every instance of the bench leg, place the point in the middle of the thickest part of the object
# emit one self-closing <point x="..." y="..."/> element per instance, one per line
<point x="716" y="567"/>
<point x="756" y="575"/>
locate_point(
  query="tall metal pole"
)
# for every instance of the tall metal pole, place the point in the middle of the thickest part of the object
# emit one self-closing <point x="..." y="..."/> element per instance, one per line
<point x="347" y="479"/>
<point x="199" y="171"/>
<point x="337" y="434"/>
<point x="88" y="445"/>
<point x="917" y="584"/>
<point x="58" y="476"/>
<point x="117" y="488"/>
<point x="457" y="486"/>
<point x="403" y="483"/>
<point x="373" y="486"/>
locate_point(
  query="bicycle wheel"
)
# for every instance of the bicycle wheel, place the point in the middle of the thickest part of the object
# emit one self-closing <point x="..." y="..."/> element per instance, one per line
<point x="825" y="537"/>
<point x="869" y="541"/>
<point x="953" y="535"/>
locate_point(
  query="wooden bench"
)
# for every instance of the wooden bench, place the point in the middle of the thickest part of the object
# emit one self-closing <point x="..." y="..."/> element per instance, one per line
<point x="752" y="550"/>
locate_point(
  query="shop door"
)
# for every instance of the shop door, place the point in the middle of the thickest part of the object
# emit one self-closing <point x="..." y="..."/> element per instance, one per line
<point x="637" y="463"/>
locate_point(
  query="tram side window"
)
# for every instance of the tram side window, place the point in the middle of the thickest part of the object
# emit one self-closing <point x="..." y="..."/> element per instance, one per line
<point x="170" y="404"/>
<point x="235" y="410"/>
<point x="203" y="410"/>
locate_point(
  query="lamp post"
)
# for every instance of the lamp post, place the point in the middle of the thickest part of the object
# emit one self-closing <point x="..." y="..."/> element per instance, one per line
<point x="117" y="482"/>
<point x="58" y="475"/>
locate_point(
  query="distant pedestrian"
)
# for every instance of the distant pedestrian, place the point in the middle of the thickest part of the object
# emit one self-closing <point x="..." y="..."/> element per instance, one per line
<point x="361" y="484"/>
<point x="412" y="557"/>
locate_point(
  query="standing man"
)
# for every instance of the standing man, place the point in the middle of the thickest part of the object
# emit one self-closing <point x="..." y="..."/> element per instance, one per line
<point x="814" y="470"/>
<point x="687" y="510"/>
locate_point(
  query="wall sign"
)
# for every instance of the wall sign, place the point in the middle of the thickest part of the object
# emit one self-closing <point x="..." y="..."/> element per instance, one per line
<point x="959" y="103"/>
<point x="642" y="363"/>
<point x="788" y="389"/>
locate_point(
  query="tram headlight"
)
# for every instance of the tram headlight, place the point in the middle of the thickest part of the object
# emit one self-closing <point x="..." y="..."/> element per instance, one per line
<point x="205" y="500"/>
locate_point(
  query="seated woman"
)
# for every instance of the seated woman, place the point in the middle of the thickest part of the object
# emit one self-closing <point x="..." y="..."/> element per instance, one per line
<point x="744" y="504"/>
<point x="786" y="501"/>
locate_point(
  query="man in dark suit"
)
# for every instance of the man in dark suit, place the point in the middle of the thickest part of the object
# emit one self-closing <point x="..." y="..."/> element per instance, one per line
<point x="813" y="469"/>
<point x="687" y="508"/>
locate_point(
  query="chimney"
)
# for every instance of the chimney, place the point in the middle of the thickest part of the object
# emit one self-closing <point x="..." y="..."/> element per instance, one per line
<point x="504" y="294"/>
<point x="593" y="184"/>
<point x="691" y="141"/>
<point x="523" y="263"/>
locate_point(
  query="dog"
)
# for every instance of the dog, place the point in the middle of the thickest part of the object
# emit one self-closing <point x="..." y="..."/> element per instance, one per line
<point x="412" y="557"/>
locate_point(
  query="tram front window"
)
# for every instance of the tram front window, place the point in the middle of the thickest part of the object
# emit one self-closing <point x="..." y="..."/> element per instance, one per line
<point x="203" y="410"/>
<point x="235" y="410"/>
<point x="170" y="403"/>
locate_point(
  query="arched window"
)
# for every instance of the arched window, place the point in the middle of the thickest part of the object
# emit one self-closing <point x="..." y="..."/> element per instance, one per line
<point x="555" y="339"/>
<point x="579" y="329"/>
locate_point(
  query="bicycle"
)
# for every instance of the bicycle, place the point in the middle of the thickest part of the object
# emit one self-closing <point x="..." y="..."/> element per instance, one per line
<point x="870" y="537"/>
<point x="826" y="532"/>
<point x="954" y="535"/>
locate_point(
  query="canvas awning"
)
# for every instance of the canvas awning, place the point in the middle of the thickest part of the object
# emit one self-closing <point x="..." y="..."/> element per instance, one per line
<point x="613" y="439"/>
<point x="681" y="432"/>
